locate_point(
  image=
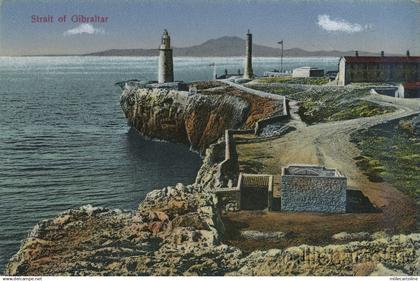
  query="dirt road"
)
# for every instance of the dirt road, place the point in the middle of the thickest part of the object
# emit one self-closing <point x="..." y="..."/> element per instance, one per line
<point x="328" y="144"/>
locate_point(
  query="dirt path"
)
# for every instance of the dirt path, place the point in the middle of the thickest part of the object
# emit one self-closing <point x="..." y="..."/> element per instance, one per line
<point x="329" y="144"/>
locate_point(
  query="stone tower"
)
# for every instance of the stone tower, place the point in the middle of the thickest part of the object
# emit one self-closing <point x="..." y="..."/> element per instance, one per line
<point x="166" y="66"/>
<point x="248" y="73"/>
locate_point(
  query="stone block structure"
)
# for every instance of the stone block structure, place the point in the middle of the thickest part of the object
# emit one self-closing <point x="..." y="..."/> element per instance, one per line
<point x="313" y="189"/>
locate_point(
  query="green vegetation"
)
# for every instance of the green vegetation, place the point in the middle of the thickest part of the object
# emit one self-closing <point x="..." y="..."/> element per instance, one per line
<point x="391" y="153"/>
<point x="335" y="104"/>
<point x="291" y="80"/>
<point x="312" y="112"/>
<point x="324" y="104"/>
<point x="358" y="109"/>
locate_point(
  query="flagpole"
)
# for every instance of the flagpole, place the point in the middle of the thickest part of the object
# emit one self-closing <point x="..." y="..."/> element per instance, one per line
<point x="281" y="62"/>
<point x="281" y="58"/>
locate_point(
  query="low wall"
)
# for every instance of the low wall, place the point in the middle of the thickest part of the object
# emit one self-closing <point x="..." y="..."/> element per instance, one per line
<point x="259" y="125"/>
<point x="228" y="169"/>
<point x="227" y="178"/>
<point x="313" y="194"/>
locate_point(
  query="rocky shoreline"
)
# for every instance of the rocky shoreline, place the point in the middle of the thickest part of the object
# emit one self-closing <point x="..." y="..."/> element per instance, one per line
<point x="177" y="230"/>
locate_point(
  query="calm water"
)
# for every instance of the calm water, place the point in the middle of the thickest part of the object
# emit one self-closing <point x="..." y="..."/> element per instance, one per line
<point x="64" y="140"/>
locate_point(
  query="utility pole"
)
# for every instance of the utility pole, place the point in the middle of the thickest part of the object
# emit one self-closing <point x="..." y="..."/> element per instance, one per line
<point x="281" y="58"/>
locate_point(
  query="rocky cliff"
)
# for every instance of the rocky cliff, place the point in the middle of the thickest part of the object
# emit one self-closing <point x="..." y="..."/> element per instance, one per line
<point x="194" y="119"/>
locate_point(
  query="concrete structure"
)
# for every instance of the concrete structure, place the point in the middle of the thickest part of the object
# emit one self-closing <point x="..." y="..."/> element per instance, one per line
<point x="313" y="189"/>
<point x="166" y="70"/>
<point x="361" y="69"/>
<point x="248" y="73"/>
<point x="307" y="71"/>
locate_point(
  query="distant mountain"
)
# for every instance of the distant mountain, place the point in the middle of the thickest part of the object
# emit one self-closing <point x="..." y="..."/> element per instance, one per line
<point x="227" y="46"/>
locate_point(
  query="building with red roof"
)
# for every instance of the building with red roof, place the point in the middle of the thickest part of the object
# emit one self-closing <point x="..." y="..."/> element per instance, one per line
<point x="378" y="69"/>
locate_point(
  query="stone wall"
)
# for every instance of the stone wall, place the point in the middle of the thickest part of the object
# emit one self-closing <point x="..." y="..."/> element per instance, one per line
<point x="228" y="169"/>
<point x="313" y="194"/>
<point x="278" y="119"/>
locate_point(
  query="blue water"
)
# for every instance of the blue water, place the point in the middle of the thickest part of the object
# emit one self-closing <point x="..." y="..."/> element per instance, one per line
<point x="64" y="141"/>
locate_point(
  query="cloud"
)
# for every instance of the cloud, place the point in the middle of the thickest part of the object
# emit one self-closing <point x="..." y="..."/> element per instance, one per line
<point x="340" y="25"/>
<point x="84" y="28"/>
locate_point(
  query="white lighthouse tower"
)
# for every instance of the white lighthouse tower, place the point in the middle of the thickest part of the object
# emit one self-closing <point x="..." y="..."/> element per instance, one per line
<point x="166" y="66"/>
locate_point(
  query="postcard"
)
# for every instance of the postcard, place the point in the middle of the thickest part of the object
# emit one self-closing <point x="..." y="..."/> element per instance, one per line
<point x="209" y="138"/>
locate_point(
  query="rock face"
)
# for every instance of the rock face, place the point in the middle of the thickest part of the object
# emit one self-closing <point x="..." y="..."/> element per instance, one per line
<point x="174" y="231"/>
<point x="194" y="119"/>
<point x="156" y="113"/>
<point x="198" y="120"/>
<point x="398" y="252"/>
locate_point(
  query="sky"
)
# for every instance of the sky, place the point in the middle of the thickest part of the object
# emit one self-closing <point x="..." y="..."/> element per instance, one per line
<point x="370" y="25"/>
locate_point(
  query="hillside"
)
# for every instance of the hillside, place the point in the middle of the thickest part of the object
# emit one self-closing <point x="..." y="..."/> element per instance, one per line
<point x="227" y="46"/>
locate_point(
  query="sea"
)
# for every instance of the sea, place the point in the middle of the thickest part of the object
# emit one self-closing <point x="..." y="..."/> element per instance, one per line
<point x="64" y="141"/>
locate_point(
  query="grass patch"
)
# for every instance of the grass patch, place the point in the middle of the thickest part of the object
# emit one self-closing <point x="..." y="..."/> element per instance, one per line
<point x="391" y="153"/>
<point x="358" y="109"/>
<point x="336" y="104"/>
<point x="251" y="166"/>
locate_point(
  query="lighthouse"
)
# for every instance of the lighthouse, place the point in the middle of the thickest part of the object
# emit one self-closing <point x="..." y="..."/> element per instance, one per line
<point x="166" y="66"/>
<point x="248" y="73"/>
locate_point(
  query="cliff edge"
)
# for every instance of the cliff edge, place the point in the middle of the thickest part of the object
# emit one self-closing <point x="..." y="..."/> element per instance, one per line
<point x="194" y="119"/>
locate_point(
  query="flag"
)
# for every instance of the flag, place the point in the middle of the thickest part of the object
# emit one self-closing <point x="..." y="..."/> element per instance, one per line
<point x="281" y="42"/>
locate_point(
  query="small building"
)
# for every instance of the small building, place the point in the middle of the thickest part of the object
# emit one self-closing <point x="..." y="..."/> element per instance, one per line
<point x="313" y="189"/>
<point x="408" y="90"/>
<point x="374" y="69"/>
<point x="307" y="71"/>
